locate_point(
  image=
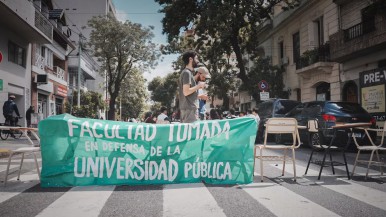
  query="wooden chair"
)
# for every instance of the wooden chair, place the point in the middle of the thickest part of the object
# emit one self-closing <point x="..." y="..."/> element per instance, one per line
<point x="22" y="151"/>
<point x="373" y="147"/>
<point x="279" y="126"/>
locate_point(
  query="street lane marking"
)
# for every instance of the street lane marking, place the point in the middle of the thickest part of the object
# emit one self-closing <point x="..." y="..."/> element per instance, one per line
<point x="14" y="187"/>
<point x="79" y="201"/>
<point x="282" y="201"/>
<point x="359" y="192"/>
<point x="189" y="200"/>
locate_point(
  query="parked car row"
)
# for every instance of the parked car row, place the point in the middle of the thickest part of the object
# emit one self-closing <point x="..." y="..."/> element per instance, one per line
<point x="328" y="114"/>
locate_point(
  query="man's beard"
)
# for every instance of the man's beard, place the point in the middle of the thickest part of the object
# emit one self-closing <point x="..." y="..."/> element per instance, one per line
<point x="194" y="64"/>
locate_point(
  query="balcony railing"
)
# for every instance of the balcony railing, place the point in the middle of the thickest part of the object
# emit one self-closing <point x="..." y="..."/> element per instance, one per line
<point x="358" y="40"/>
<point x="359" y="30"/>
<point x="59" y="72"/>
<point x="40" y="61"/>
<point x="319" y="54"/>
<point x="43" y="24"/>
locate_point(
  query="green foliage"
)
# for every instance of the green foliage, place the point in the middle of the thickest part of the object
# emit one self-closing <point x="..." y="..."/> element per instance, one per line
<point x="164" y="90"/>
<point x="122" y="48"/>
<point x="263" y="70"/>
<point x="90" y="103"/>
<point x="133" y="95"/>
<point x="222" y="27"/>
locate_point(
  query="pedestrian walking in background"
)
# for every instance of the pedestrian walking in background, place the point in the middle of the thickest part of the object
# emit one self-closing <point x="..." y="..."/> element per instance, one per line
<point x="163" y="117"/>
<point x="188" y="87"/>
<point x="28" y="113"/>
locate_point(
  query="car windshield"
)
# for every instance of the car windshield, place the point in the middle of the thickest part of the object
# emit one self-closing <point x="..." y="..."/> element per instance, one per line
<point x="285" y="106"/>
<point x="350" y="108"/>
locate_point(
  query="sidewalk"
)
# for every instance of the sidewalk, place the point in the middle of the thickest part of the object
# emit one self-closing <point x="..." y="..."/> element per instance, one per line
<point x="12" y="144"/>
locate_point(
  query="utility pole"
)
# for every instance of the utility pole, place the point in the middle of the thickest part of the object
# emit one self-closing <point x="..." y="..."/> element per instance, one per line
<point x="79" y="66"/>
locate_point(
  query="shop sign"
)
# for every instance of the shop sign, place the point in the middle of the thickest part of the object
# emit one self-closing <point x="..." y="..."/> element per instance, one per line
<point x="61" y="91"/>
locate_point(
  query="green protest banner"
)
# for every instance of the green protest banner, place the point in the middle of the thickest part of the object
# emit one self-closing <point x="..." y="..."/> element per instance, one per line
<point x="78" y="152"/>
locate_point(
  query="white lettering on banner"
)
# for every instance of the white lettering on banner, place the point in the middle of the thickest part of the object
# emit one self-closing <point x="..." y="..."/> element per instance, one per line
<point x="184" y="132"/>
<point x="215" y="170"/>
<point x="144" y="170"/>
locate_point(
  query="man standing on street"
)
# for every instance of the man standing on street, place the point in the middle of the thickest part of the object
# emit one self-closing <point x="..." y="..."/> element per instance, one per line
<point x="28" y="115"/>
<point x="188" y="88"/>
<point x="202" y="75"/>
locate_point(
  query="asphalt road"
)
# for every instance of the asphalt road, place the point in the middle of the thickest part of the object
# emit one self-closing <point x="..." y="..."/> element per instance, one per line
<point x="333" y="195"/>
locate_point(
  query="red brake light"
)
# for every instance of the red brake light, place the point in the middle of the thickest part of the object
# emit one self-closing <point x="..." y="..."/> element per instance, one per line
<point x="330" y="118"/>
<point x="373" y="121"/>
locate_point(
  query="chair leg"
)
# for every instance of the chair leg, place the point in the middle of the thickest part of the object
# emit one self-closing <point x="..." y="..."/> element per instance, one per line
<point x="345" y="163"/>
<point x="21" y="164"/>
<point x="7" y="171"/>
<point x="309" y="161"/>
<point x="370" y="161"/>
<point x="321" y="166"/>
<point x="356" y="161"/>
<point x="254" y="160"/>
<point x="294" y="163"/>
<point x="285" y="155"/>
<point x="379" y="161"/>
<point x="261" y="165"/>
<point x="332" y="164"/>
<point x="37" y="165"/>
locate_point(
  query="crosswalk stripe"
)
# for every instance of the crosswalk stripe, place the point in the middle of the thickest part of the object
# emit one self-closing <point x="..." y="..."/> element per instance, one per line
<point x="79" y="201"/>
<point x="27" y="180"/>
<point x="189" y="200"/>
<point x="362" y="193"/>
<point x="283" y="202"/>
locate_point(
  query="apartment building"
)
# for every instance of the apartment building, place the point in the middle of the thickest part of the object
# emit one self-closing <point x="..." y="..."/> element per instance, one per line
<point x="298" y="41"/>
<point x="49" y="63"/>
<point x="22" y="27"/>
<point x="360" y="47"/>
<point x="79" y="13"/>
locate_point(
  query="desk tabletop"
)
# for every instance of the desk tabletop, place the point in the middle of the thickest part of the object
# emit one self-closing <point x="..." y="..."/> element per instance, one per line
<point x="18" y="128"/>
<point x="351" y="125"/>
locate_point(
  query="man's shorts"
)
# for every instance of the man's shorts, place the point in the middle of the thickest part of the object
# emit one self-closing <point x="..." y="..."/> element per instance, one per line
<point x="188" y="116"/>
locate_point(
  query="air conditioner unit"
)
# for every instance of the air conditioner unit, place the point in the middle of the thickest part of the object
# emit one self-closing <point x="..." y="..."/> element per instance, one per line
<point x="284" y="61"/>
<point x="41" y="79"/>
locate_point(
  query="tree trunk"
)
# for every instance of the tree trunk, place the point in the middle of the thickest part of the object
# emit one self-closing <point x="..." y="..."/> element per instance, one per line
<point x="239" y="56"/>
<point x="225" y="103"/>
<point x="111" y="113"/>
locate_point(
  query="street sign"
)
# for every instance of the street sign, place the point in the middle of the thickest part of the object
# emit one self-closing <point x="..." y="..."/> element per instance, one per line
<point x="264" y="96"/>
<point x="263" y="85"/>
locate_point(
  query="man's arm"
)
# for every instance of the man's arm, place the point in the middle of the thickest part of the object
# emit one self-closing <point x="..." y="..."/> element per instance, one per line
<point x="187" y="90"/>
<point x="16" y="109"/>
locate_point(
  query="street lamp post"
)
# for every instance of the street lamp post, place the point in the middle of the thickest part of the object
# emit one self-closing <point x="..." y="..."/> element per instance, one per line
<point x="79" y="66"/>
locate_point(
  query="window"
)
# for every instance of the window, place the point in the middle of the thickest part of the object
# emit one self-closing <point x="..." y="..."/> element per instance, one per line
<point x="296" y="47"/>
<point x="16" y="54"/>
<point x="319" y="31"/>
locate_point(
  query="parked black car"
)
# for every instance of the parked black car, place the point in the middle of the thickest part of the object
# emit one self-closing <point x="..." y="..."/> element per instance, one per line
<point x="272" y="108"/>
<point x="328" y="114"/>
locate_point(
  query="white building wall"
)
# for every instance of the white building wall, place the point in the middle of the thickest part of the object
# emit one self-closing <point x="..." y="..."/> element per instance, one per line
<point x="16" y="79"/>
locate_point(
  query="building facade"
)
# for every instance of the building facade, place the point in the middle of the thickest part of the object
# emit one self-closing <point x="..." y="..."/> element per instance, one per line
<point x="23" y="27"/>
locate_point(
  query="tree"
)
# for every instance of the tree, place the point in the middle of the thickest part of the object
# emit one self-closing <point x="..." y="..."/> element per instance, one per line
<point x="227" y="26"/>
<point x="121" y="48"/>
<point x="263" y="70"/>
<point x="133" y="95"/>
<point x="90" y="103"/>
<point x="164" y="90"/>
